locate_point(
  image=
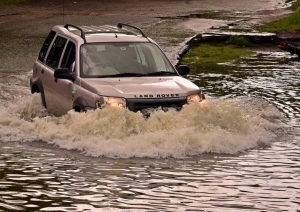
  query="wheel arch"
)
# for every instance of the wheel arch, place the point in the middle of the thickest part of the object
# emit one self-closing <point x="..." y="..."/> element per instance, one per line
<point x="37" y="87"/>
<point x="80" y="104"/>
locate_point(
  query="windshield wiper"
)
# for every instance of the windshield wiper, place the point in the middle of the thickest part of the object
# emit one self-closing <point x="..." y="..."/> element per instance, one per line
<point x="162" y="73"/>
<point x="128" y="74"/>
<point x="122" y="75"/>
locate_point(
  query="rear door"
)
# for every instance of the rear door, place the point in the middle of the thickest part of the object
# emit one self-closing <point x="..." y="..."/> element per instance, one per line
<point x="42" y="72"/>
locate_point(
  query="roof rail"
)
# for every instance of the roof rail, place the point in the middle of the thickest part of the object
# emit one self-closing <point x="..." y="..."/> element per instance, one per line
<point x="120" y="25"/>
<point x="82" y="35"/>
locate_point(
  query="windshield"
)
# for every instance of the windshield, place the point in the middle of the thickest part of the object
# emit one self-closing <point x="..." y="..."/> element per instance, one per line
<point x="123" y="59"/>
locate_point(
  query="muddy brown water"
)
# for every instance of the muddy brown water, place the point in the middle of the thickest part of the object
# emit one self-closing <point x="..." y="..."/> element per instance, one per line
<point x="238" y="151"/>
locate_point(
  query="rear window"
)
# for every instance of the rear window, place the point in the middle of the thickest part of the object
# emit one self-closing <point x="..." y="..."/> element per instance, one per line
<point x="46" y="45"/>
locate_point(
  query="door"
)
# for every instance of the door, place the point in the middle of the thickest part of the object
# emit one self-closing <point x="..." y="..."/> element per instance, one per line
<point x="39" y="71"/>
<point x="62" y="89"/>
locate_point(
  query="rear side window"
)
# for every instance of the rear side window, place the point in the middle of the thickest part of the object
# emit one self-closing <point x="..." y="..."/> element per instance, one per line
<point x="46" y="45"/>
<point x="55" y="52"/>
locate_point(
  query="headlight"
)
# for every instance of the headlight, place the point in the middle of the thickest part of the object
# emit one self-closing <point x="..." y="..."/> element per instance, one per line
<point x="111" y="102"/>
<point x="195" y="98"/>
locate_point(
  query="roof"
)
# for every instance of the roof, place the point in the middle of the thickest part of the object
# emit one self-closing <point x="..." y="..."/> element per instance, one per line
<point x="114" y="37"/>
<point x="108" y="33"/>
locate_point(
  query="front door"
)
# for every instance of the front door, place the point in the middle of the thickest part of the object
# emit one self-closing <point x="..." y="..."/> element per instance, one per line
<point x="62" y="55"/>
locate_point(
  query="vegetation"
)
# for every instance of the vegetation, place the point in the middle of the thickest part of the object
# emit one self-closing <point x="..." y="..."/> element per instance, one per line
<point x="296" y="5"/>
<point x="290" y="23"/>
<point x="206" y="55"/>
<point x="238" y="40"/>
<point x="8" y="2"/>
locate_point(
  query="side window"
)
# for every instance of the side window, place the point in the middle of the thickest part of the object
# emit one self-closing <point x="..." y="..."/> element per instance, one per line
<point x="55" y="52"/>
<point x="46" y="45"/>
<point x="69" y="56"/>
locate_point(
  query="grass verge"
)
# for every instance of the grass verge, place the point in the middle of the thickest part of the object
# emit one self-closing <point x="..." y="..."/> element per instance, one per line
<point x="286" y="24"/>
<point x="290" y="23"/>
<point x="207" y="55"/>
<point x="296" y="5"/>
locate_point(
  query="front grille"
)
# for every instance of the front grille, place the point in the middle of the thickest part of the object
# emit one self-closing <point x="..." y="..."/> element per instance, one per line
<point x="140" y="104"/>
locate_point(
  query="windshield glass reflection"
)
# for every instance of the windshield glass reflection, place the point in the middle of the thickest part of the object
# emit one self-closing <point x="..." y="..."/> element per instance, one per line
<point x="123" y="59"/>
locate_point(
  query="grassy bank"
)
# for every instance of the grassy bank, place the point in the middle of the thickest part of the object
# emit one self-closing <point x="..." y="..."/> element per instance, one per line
<point x="296" y="5"/>
<point x="289" y="23"/>
<point x="208" y="55"/>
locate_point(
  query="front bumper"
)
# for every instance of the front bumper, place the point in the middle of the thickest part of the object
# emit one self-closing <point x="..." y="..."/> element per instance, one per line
<point x="146" y="106"/>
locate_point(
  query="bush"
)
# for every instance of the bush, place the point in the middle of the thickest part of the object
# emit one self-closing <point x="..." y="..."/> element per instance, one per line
<point x="239" y="41"/>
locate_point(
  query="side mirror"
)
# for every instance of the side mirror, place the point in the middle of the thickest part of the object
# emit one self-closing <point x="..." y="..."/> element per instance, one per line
<point x="183" y="70"/>
<point x="64" y="73"/>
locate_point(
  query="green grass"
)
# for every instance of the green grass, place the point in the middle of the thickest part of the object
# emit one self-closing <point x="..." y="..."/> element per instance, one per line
<point x="290" y="23"/>
<point x="206" y="55"/>
<point x="296" y="5"/>
<point x="9" y="2"/>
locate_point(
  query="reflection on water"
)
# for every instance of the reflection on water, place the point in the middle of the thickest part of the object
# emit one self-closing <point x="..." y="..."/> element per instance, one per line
<point x="234" y="152"/>
<point x="41" y="179"/>
<point x="273" y="76"/>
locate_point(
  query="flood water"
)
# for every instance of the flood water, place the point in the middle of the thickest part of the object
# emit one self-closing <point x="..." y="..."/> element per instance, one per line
<point x="236" y="151"/>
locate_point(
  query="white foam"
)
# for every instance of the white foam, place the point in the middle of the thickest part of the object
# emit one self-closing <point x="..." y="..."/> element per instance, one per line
<point x="218" y="127"/>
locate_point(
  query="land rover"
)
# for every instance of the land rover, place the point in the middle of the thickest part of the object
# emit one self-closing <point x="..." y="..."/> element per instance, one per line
<point x="87" y="67"/>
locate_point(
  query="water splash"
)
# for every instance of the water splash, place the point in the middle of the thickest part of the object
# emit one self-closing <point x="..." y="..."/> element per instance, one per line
<point x="209" y="127"/>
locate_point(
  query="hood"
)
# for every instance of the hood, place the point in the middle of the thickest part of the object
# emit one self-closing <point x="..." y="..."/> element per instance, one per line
<point x="141" y="87"/>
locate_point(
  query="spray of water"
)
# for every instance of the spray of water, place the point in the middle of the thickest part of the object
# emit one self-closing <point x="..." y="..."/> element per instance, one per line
<point x="209" y="127"/>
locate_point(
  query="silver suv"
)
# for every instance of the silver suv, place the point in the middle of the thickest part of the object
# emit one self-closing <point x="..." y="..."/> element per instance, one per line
<point x="89" y="67"/>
